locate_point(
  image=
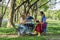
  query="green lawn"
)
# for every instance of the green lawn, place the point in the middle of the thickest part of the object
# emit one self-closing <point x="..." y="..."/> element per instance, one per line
<point x="26" y="38"/>
<point x="52" y="28"/>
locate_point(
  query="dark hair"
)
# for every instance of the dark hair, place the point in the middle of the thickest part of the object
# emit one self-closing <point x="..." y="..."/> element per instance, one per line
<point x="28" y="13"/>
<point x="37" y="21"/>
<point x="41" y="12"/>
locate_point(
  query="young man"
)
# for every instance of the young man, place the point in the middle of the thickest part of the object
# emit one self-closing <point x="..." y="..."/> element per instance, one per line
<point x="30" y="22"/>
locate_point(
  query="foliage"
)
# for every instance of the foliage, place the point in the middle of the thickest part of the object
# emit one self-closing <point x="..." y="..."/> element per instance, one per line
<point x="52" y="28"/>
<point x="53" y="14"/>
<point x="18" y="2"/>
<point x="44" y="7"/>
<point x="25" y="38"/>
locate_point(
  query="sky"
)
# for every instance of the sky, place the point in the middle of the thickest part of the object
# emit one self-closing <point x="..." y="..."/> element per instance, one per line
<point x="55" y="7"/>
<point x="58" y="5"/>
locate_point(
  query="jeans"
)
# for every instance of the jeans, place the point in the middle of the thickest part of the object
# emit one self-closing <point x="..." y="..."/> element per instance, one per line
<point x="44" y="30"/>
<point x="30" y="26"/>
<point x="23" y="28"/>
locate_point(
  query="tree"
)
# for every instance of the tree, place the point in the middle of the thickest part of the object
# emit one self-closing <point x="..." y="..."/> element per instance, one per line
<point x="28" y="4"/>
<point x="3" y="13"/>
<point x="11" y="14"/>
<point x="0" y="0"/>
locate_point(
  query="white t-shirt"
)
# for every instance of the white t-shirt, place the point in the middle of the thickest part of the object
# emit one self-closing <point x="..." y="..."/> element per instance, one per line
<point x="21" y="20"/>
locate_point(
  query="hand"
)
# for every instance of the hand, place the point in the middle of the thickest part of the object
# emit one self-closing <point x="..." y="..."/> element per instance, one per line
<point x="41" y="22"/>
<point x="34" y="19"/>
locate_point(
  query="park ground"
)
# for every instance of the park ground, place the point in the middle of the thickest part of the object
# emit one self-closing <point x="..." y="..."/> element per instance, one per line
<point x="53" y="31"/>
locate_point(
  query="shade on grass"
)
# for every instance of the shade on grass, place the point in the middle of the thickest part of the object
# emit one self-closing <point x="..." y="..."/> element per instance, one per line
<point x="26" y="38"/>
<point x="52" y="27"/>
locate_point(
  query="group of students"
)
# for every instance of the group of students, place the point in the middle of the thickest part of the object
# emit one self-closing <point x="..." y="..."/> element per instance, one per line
<point x="27" y="21"/>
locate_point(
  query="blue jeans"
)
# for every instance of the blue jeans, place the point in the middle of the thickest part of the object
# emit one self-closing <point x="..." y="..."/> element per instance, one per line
<point x="23" y="28"/>
<point x="30" y="26"/>
<point x="44" y="30"/>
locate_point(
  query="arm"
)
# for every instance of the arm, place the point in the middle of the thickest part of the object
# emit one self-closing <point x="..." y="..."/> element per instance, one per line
<point x="19" y="21"/>
<point x="22" y="21"/>
<point x="43" y="20"/>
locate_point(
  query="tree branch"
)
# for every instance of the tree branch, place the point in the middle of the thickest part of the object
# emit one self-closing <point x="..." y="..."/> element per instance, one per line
<point x="43" y="4"/>
<point x="32" y="5"/>
<point x="5" y="9"/>
<point x="20" y="5"/>
<point x="0" y="0"/>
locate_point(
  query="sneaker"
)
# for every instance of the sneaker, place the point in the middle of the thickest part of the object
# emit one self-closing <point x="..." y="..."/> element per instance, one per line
<point x="27" y="32"/>
<point x="38" y="35"/>
<point x="34" y="32"/>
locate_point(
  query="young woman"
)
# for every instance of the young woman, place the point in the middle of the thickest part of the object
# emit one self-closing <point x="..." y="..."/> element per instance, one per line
<point x="21" y="25"/>
<point x="41" y="25"/>
<point x="43" y="21"/>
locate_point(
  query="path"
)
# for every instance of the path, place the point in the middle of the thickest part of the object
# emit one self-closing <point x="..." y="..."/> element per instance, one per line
<point x="48" y="36"/>
<point x="8" y="35"/>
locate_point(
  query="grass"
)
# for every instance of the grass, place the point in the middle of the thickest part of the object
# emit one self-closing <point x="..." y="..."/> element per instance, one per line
<point x="4" y="30"/>
<point x="26" y="38"/>
<point x="52" y="28"/>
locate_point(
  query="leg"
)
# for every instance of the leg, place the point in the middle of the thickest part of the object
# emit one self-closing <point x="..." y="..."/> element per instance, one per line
<point x="26" y="29"/>
<point x="32" y="27"/>
<point x="19" y="30"/>
<point x="44" y="27"/>
<point x="39" y="34"/>
<point x="22" y="28"/>
<point x="35" y="32"/>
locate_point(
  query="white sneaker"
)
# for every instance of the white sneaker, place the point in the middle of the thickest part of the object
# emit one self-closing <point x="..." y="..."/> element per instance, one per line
<point x="33" y="33"/>
<point x="38" y="35"/>
<point x="27" y="32"/>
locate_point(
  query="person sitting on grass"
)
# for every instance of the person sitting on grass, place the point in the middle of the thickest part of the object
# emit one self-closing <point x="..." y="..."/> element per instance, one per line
<point x="41" y="25"/>
<point x="30" y="21"/>
<point x="21" y="25"/>
<point x="38" y="29"/>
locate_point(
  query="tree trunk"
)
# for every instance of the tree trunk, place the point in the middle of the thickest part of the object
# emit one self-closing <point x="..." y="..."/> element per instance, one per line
<point x="36" y="11"/>
<point x="3" y="13"/>
<point x="1" y="18"/>
<point x="17" y="15"/>
<point x="0" y="0"/>
<point x="10" y="20"/>
<point x="14" y="17"/>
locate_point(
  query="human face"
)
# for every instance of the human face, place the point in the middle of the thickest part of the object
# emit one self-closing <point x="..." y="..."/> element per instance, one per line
<point x="41" y="14"/>
<point x="28" y="14"/>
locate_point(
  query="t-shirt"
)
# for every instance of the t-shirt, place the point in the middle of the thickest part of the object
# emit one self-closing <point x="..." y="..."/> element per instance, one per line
<point x="21" y="20"/>
<point x="30" y="18"/>
<point x="43" y="19"/>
